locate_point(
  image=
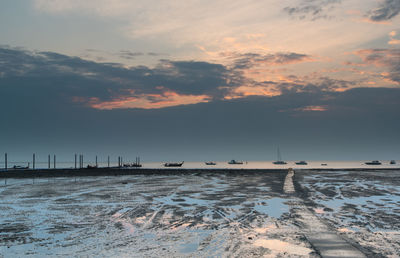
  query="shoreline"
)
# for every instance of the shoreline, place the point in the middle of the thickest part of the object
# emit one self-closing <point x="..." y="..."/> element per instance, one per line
<point x="30" y="173"/>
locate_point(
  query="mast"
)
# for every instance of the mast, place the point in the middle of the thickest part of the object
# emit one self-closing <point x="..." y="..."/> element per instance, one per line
<point x="279" y="155"/>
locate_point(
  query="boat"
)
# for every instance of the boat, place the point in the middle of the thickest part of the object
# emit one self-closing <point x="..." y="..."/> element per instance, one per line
<point x="302" y="162"/>
<point x="91" y="166"/>
<point x="173" y="164"/>
<point x="132" y="165"/>
<point x="20" y="167"/>
<point x="374" y="162"/>
<point x="279" y="161"/>
<point x="235" y="162"/>
<point x="324" y="164"/>
<point x="392" y="162"/>
<point x="135" y="164"/>
<point x="211" y="163"/>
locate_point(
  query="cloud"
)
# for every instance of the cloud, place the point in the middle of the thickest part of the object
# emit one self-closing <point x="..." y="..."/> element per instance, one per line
<point x="248" y="60"/>
<point x="126" y="54"/>
<point x="312" y="9"/>
<point x="386" y="10"/>
<point x="107" y="85"/>
<point x="78" y="82"/>
<point x="393" y="40"/>
<point x="383" y="58"/>
<point x="149" y="101"/>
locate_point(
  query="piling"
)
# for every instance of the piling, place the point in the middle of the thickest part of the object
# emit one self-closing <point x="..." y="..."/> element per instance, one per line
<point x="49" y="161"/>
<point x="96" y="160"/>
<point x="54" y="161"/>
<point x="33" y="161"/>
<point x="5" y="161"/>
<point x="108" y="161"/>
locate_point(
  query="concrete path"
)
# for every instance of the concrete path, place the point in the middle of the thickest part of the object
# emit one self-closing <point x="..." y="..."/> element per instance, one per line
<point x="325" y="240"/>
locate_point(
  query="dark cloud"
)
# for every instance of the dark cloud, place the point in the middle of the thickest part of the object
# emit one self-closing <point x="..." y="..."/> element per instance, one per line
<point x="311" y="9"/>
<point x="386" y="10"/>
<point x="154" y="54"/>
<point x="385" y="58"/>
<point x="126" y="54"/>
<point x="322" y="84"/>
<point x="247" y="60"/>
<point x="309" y="118"/>
<point x="75" y="77"/>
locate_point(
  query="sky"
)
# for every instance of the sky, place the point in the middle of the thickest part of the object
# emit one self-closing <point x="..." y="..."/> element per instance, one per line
<point x="200" y="80"/>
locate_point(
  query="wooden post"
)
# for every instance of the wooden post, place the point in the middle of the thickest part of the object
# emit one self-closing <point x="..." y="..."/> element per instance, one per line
<point x="82" y="161"/>
<point x="108" y="161"/>
<point x="75" y="160"/>
<point x="96" y="160"/>
<point x="5" y="161"/>
<point x="49" y="161"/>
<point x="33" y="161"/>
<point x="54" y="161"/>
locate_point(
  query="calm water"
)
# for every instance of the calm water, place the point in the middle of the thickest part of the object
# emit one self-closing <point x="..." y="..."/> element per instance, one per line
<point x="225" y="165"/>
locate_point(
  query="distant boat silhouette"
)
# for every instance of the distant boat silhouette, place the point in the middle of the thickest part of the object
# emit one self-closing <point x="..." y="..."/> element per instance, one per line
<point x="21" y="167"/>
<point x="173" y="164"/>
<point x="235" y="162"/>
<point x="211" y="163"/>
<point x="301" y="163"/>
<point x="135" y="164"/>
<point x="324" y="164"/>
<point x="91" y="166"/>
<point x="374" y="162"/>
<point x="392" y="162"/>
<point x="279" y="161"/>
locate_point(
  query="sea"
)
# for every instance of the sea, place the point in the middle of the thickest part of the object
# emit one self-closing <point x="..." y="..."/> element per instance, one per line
<point x="320" y="164"/>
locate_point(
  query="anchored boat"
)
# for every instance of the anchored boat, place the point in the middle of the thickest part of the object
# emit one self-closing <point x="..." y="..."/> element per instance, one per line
<point x="279" y="161"/>
<point x="21" y="167"/>
<point x="135" y="164"/>
<point x="301" y="163"/>
<point x="235" y="162"/>
<point x="374" y="162"/>
<point x="173" y="164"/>
<point x="210" y="163"/>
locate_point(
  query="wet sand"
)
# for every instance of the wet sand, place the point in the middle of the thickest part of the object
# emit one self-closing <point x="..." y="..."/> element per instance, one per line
<point x="29" y="173"/>
<point x="197" y="214"/>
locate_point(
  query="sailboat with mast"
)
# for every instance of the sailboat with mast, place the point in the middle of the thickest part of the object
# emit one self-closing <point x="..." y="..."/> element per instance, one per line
<point x="279" y="161"/>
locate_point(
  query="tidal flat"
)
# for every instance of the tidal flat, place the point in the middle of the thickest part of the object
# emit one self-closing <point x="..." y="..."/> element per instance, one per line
<point x="198" y="214"/>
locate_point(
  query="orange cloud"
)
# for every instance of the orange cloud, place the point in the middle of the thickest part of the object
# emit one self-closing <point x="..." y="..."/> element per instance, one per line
<point x="312" y="108"/>
<point x="149" y="101"/>
<point x="245" y="91"/>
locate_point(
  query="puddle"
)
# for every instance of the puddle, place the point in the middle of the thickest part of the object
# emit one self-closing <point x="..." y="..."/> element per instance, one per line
<point x="274" y="207"/>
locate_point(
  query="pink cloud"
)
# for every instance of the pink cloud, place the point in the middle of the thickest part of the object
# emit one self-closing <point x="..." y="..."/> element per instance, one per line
<point x="146" y="101"/>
